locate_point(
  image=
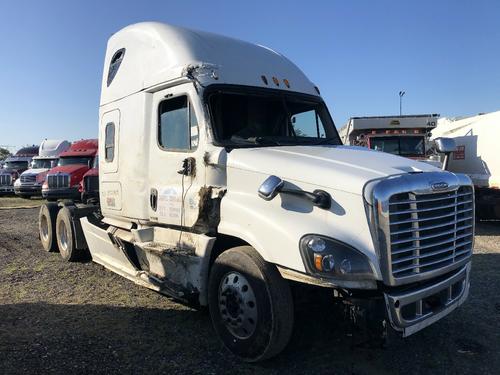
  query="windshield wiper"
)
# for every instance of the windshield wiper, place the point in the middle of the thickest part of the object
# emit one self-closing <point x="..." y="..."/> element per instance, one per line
<point x="254" y="141"/>
<point x="323" y="141"/>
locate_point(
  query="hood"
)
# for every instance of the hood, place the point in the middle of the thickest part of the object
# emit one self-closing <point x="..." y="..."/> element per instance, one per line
<point x="34" y="171"/>
<point x="92" y="172"/>
<point x="345" y="168"/>
<point x="71" y="169"/>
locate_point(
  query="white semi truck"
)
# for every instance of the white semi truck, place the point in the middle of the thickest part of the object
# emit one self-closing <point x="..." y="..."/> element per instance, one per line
<point x="223" y="182"/>
<point x="31" y="180"/>
<point x="477" y="156"/>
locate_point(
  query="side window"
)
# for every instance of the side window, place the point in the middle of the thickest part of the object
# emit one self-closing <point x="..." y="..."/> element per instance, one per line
<point x="114" y="64"/>
<point x="178" y="127"/>
<point x="308" y="124"/>
<point x="109" y="142"/>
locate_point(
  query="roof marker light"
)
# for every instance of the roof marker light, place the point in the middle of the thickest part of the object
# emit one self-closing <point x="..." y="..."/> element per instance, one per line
<point x="276" y="82"/>
<point x="264" y="79"/>
<point x="287" y="84"/>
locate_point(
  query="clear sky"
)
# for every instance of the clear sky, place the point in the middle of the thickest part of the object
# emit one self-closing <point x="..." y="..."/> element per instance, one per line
<point x="444" y="54"/>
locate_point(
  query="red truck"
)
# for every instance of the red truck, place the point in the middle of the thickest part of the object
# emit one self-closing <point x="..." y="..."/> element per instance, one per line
<point x="63" y="181"/>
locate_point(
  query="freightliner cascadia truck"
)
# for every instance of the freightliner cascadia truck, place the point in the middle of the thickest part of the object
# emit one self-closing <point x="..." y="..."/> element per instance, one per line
<point x="13" y="167"/>
<point x="63" y="181"/>
<point x="30" y="182"/>
<point x="223" y="182"/>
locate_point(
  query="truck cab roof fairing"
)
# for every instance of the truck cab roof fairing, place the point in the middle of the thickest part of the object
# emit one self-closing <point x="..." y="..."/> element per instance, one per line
<point x="158" y="53"/>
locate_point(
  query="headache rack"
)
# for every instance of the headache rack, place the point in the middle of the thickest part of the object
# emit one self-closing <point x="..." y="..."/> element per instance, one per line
<point x="423" y="232"/>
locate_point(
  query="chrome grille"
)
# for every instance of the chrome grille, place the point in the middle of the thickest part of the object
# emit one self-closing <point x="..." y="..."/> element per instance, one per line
<point x="56" y="181"/>
<point x="5" y="179"/>
<point x="28" y="178"/>
<point x="430" y="231"/>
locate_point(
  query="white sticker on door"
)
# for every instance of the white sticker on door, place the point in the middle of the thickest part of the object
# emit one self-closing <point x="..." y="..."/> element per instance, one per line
<point x="169" y="203"/>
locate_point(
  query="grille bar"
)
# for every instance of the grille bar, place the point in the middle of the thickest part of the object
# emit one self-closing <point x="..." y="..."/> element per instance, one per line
<point x="429" y="227"/>
<point x="429" y="236"/>
<point x="454" y="204"/>
<point x="431" y="218"/>
<point x="430" y="199"/>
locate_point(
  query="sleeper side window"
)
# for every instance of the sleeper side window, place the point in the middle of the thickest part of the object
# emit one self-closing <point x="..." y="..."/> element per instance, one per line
<point x="177" y="127"/>
<point x="109" y="142"/>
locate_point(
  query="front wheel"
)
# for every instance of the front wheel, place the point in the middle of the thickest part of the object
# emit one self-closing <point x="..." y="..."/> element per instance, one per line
<point x="250" y="304"/>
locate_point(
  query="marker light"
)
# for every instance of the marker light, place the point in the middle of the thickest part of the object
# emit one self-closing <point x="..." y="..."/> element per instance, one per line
<point x="287" y="84"/>
<point x="276" y="82"/>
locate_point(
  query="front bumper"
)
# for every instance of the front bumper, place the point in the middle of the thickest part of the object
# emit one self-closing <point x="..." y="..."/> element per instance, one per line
<point x="64" y="193"/>
<point x="6" y="189"/>
<point x="413" y="309"/>
<point x="24" y="190"/>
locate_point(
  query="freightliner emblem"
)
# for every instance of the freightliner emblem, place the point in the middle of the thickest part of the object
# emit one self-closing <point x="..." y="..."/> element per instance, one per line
<point x="439" y="185"/>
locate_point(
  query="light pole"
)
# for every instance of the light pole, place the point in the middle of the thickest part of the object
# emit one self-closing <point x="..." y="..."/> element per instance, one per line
<point x="401" y="94"/>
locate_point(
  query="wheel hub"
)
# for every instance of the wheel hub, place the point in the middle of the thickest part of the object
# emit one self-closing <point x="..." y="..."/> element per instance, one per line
<point x="237" y="305"/>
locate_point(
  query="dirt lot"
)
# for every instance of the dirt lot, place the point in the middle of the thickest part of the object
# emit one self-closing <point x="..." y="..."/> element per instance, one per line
<point x="58" y="317"/>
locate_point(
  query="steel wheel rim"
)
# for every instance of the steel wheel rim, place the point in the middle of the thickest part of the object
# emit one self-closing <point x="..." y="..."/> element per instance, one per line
<point x="63" y="236"/>
<point x="44" y="228"/>
<point x="237" y="305"/>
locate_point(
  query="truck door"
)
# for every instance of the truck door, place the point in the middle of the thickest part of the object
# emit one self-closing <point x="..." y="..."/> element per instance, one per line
<point x="176" y="171"/>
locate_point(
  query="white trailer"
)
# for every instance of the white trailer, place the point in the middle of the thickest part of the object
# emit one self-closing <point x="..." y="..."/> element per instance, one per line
<point x="477" y="156"/>
<point x="223" y="182"/>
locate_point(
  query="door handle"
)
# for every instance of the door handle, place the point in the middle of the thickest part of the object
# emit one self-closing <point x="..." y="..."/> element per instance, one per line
<point x="153" y="199"/>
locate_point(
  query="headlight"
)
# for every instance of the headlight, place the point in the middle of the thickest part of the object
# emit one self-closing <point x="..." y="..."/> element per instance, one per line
<point x="330" y="258"/>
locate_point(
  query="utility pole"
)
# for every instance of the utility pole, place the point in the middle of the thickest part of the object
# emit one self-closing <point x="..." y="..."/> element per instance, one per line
<point x="401" y="94"/>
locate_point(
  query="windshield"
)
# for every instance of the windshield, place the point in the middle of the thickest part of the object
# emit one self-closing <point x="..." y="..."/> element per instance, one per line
<point x="74" y="160"/>
<point x="43" y="163"/>
<point x="16" y="165"/>
<point x="241" y="119"/>
<point x="405" y="146"/>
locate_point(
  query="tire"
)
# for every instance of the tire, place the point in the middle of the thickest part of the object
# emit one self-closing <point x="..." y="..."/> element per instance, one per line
<point x="47" y="226"/>
<point x="250" y="304"/>
<point x="66" y="237"/>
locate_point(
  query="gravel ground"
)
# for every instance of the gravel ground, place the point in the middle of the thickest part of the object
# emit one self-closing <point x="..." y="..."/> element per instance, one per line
<point x="58" y="317"/>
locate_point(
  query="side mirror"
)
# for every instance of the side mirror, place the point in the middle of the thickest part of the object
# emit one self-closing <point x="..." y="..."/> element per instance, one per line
<point x="270" y="187"/>
<point x="445" y="145"/>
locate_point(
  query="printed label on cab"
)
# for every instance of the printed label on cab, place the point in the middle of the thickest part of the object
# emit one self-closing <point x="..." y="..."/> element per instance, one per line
<point x="169" y="203"/>
<point x="459" y="154"/>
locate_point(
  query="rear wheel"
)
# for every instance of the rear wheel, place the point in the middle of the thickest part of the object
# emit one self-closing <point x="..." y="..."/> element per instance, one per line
<point x="47" y="226"/>
<point x="250" y="304"/>
<point x="66" y="236"/>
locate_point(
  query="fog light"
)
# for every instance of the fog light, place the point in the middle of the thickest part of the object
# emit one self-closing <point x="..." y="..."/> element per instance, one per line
<point x="345" y="266"/>
<point x="317" y="245"/>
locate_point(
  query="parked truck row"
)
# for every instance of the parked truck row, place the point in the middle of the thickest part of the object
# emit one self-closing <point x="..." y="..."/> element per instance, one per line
<point x="224" y="183"/>
<point x="56" y="170"/>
